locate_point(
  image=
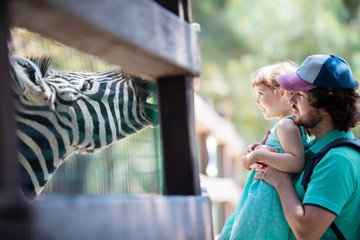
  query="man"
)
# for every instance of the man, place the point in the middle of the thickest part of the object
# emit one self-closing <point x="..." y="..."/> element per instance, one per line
<point x="325" y="101"/>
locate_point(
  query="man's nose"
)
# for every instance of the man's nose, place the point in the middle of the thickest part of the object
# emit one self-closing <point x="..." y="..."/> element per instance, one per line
<point x="292" y="99"/>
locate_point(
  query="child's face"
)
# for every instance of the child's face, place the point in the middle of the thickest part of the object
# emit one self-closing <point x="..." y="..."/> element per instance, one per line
<point x="268" y="101"/>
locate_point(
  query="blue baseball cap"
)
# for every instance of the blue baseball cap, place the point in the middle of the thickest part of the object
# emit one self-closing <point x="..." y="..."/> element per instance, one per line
<point x="321" y="70"/>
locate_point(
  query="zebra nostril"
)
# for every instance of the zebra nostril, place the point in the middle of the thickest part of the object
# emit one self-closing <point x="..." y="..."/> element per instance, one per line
<point x="85" y="86"/>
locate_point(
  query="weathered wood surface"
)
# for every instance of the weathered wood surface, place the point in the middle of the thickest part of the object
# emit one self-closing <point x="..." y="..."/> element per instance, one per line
<point x="143" y="38"/>
<point x="177" y="120"/>
<point x="138" y="35"/>
<point x="14" y="211"/>
<point x="131" y="218"/>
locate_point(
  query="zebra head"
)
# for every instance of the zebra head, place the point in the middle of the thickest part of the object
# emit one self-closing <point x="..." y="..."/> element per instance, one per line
<point x="59" y="113"/>
<point x="107" y="106"/>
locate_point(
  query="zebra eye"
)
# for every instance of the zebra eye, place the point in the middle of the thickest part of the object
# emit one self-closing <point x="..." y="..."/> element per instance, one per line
<point x="87" y="85"/>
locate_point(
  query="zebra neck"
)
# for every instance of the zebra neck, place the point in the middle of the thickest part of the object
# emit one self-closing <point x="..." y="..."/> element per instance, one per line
<point x="44" y="142"/>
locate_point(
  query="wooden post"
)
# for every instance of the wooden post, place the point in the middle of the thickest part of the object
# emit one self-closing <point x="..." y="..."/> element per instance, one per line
<point x="14" y="212"/>
<point x="177" y="121"/>
<point x="182" y="8"/>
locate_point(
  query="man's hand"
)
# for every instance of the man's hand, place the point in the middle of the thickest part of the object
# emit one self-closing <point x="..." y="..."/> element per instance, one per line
<point x="271" y="175"/>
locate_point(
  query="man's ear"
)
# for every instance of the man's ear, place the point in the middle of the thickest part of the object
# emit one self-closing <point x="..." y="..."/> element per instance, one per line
<point x="324" y="112"/>
<point x="28" y="82"/>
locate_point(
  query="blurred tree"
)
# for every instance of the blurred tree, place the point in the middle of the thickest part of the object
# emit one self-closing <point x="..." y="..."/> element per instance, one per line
<point x="353" y="8"/>
<point x="237" y="37"/>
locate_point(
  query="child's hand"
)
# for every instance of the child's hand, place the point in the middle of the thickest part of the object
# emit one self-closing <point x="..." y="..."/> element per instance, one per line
<point x="254" y="157"/>
<point x="249" y="159"/>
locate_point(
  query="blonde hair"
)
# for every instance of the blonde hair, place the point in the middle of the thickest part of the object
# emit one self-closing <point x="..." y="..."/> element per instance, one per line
<point x="267" y="75"/>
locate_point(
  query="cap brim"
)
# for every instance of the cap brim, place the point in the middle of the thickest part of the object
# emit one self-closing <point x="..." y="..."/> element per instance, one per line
<point x="292" y="82"/>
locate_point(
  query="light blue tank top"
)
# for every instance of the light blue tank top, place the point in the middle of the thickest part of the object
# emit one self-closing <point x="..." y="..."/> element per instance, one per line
<point x="273" y="140"/>
<point x="259" y="215"/>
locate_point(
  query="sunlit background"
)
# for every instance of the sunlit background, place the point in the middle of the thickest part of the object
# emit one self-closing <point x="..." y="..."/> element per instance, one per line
<point x="238" y="37"/>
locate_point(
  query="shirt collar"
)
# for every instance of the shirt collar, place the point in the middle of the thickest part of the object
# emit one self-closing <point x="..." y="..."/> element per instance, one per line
<point x="328" y="138"/>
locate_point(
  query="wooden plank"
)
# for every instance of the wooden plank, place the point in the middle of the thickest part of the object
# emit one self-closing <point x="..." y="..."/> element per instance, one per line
<point x="177" y="121"/>
<point x="138" y="35"/>
<point x="130" y="218"/>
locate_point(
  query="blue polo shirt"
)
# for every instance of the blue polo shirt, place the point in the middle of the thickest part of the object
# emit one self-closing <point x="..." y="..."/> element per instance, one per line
<point x="335" y="185"/>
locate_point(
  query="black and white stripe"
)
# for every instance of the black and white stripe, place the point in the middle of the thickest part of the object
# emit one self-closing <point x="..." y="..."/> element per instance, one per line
<point x="60" y="113"/>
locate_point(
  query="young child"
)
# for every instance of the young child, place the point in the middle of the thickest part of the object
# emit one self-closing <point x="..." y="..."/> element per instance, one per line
<point x="259" y="214"/>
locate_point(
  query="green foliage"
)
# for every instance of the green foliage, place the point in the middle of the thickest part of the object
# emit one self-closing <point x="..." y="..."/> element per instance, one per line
<point x="238" y="37"/>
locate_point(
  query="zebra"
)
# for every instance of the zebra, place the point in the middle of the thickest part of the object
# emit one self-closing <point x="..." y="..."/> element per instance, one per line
<point x="61" y="113"/>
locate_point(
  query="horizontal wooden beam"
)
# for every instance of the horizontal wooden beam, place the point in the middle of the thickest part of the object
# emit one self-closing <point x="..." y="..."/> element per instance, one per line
<point x="111" y="218"/>
<point x="138" y="35"/>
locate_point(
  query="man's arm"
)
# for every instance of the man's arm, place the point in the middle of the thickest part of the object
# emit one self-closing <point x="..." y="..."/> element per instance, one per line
<point x="306" y="221"/>
<point x="291" y="160"/>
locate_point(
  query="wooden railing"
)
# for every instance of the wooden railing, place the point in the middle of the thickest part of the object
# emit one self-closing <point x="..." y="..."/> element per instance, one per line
<point x="150" y="38"/>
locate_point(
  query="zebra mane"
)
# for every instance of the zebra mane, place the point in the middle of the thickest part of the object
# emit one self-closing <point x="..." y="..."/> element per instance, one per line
<point x="43" y="63"/>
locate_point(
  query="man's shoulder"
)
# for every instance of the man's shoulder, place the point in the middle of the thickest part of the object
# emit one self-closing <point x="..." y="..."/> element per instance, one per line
<point x="344" y="151"/>
<point x="338" y="143"/>
<point x="342" y="157"/>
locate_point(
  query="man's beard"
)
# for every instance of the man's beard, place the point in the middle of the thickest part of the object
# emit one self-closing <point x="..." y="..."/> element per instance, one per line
<point x="310" y="120"/>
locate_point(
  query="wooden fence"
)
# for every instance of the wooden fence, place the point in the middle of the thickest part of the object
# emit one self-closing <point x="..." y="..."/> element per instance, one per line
<point x="150" y="38"/>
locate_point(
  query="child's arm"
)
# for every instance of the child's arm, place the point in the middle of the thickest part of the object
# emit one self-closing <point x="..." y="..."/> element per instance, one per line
<point x="292" y="160"/>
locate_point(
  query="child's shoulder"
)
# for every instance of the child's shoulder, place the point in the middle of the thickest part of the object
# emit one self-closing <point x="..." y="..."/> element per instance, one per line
<point x="287" y="124"/>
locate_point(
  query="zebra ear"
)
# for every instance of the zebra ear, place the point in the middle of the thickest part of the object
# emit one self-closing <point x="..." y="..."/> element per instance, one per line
<point x="43" y="64"/>
<point x="28" y="83"/>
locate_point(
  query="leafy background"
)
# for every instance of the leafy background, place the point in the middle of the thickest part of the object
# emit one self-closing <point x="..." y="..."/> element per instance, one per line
<point x="237" y="37"/>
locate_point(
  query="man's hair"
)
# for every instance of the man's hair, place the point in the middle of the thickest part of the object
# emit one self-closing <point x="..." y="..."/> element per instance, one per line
<point x="342" y="105"/>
